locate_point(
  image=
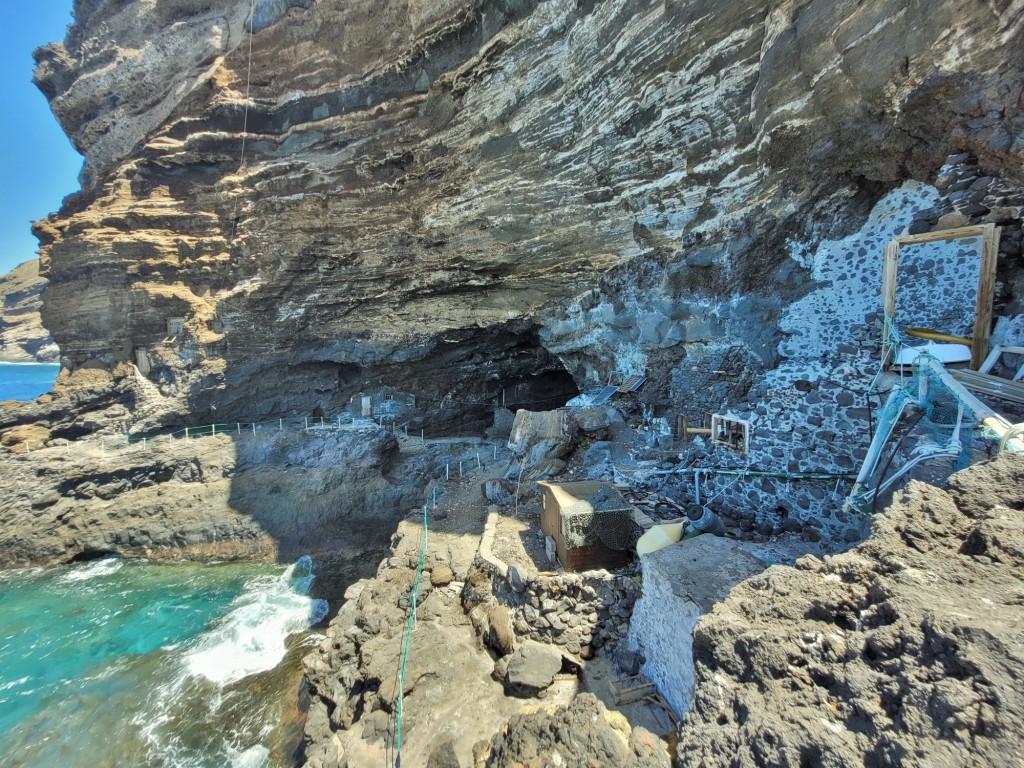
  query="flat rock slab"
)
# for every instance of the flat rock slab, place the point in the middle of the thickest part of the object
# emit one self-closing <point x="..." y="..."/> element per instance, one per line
<point x="532" y="668"/>
<point x="703" y="569"/>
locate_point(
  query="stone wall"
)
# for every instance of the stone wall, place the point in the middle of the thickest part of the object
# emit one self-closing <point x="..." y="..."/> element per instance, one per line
<point x="813" y="403"/>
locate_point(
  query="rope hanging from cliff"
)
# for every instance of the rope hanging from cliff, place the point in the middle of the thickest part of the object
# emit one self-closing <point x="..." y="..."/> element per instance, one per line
<point x="409" y="624"/>
<point x="248" y="79"/>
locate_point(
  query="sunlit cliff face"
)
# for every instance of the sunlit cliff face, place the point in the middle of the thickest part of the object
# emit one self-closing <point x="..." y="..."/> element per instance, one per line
<point x="356" y="196"/>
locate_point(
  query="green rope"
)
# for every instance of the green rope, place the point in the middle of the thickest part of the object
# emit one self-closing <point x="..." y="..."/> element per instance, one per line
<point x="409" y="624"/>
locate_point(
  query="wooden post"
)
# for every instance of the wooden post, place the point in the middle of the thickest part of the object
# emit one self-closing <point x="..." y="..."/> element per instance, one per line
<point x="446" y="476"/>
<point x="143" y="443"/>
<point x="890" y="261"/>
<point x="280" y="424"/>
<point x="986" y="294"/>
<point x="305" y="423"/>
<point x="460" y="468"/>
<point x="238" y="428"/>
<point x="213" y="430"/>
<point x="478" y="464"/>
<point x="254" y="429"/>
<point x="186" y="434"/>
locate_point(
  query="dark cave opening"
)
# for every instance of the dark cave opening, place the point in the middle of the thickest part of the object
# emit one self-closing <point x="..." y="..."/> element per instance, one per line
<point x="543" y="391"/>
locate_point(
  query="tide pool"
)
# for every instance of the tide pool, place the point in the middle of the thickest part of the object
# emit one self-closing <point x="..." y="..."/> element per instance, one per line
<point x="117" y="662"/>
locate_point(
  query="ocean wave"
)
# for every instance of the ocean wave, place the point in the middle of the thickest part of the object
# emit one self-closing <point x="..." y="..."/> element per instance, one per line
<point x="250" y="638"/>
<point x="94" y="570"/>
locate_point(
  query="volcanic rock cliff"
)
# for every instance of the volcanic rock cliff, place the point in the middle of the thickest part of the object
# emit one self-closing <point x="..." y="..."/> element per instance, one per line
<point x="22" y="336"/>
<point x="285" y="208"/>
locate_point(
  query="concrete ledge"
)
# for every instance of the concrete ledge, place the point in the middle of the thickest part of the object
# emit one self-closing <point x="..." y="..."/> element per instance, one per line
<point x="491" y="562"/>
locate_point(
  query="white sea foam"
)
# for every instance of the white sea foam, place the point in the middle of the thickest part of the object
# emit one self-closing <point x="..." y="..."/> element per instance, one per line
<point x="253" y="757"/>
<point x="251" y="637"/>
<point x="94" y="570"/>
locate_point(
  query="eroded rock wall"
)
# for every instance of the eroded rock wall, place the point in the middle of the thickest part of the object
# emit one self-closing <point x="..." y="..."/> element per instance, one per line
<point x="903" y="651"/>
<point x="22" y="336"/>
<point x="425" y="186"/>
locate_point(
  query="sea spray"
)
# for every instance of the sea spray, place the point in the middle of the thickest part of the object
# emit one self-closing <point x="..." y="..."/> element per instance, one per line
<point x="96" y="664"/>
<point x="251" y="637"/>
<point x="94" y="570"/>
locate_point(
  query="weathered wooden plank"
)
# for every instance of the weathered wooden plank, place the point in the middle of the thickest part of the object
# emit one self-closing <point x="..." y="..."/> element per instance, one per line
<point x="991" y="385"/>
<point x="986" y="295"/>
<point x="958" y="233"/>
<point x="889" y="262"/>
<point x="626" y="690"/>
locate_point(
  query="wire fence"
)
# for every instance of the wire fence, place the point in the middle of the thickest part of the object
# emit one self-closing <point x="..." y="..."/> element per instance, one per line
<point x="109" y="444"/>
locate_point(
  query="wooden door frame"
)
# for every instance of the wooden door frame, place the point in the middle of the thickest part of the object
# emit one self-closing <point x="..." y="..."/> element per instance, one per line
<point x="989" y="234"/>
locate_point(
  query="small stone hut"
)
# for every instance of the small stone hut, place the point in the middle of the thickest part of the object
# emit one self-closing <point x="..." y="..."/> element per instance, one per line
<point x="591" y="524"/>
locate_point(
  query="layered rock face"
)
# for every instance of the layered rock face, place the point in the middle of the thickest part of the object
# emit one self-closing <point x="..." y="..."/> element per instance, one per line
<point x="282" y="212"/>
<point x="22" y="336"/>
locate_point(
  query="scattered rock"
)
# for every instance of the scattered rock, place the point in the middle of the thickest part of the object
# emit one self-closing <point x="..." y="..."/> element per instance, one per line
<point x="443" y="756"/>
<point x="441" y="575"/>
<point x="500" y="492"/>
<point x="532" y="668"/>
<point x="583" y="735"/>
<point x="500" y="636"/>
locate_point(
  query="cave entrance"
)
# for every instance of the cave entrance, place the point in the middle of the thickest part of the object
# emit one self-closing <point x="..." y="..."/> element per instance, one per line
<point x="542" y="391"/>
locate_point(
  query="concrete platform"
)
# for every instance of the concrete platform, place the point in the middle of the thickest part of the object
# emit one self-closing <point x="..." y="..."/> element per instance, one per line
<point x="682" y="582"/>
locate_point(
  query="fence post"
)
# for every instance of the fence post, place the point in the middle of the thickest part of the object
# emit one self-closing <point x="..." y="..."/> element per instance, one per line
<point x="254" y="429"/>
<point x="495" y="452"/>
<point x="186" y="434"/>
<point x="321" y="421"/>
<point x="478" y="464"/>
<point x="238" y="427"/>
<point x="305" y="423"/>
<point x="213" y="430"/>
<point x="339" y="422"/>
<point x="460" y="467"/>
<point x="280" y="424"/>
<point x="143" y="443"/>
<point x="446" y="477"/>
<point x="422" y="439"/>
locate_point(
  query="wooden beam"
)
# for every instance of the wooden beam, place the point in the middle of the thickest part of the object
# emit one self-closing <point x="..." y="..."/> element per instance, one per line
<point x="986" y="295"/>
<point x="959" y="233"/>
<point x="889" y="263"/>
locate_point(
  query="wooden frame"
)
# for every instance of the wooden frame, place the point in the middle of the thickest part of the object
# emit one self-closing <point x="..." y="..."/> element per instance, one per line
<point x="989" y="235"/>
<point x="730" y="432"/>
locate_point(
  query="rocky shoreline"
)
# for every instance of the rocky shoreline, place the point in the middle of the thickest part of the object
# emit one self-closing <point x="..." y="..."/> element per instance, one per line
<point x="902" y="651"/>
<point x="274" y="494"/>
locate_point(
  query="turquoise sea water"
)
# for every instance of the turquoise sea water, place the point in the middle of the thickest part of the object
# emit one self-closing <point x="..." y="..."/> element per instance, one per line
<point x="26" y="381"/>
<point x="116" y="662"/>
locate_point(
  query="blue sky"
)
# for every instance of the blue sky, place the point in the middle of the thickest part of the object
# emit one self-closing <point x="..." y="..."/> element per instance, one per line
<point x="38" y="166"/>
